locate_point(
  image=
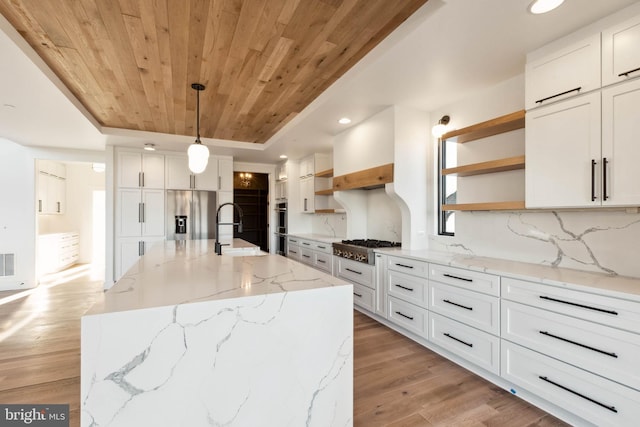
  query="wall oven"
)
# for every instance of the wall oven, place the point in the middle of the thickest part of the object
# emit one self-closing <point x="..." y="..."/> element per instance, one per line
<point x="281" y="228"/>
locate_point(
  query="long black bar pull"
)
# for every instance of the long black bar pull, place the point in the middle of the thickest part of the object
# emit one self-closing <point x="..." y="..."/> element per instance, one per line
<point x="604" y="178"/>
<point x="593" y="180"/>
<point x="540" y="101"/>
<point x="611" y="408"/>
<point x="626" y="73"/>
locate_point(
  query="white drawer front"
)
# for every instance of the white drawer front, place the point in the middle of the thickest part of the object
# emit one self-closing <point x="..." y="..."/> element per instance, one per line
<point x="408" y="316"/>
<point x="409" y="288"/>
<point x="293" y="252"/>
<point x="475" y="309"/>
<point x="322" y="247"/>
<point x="471" y="344"/>
<point x="609" y="311"/>
<point x="363" y="297"/>
<point x="476" y="281"/>
<point x="305" y="244"/>
<point x="356" y="272"/>
<point x="293" y="241"/>
<point x="609" y="352"/>
<point x="323" y="262"/>
<point x="306" y="255"/>
<point x="600" y="401"/>
<point x="409" y="266"/>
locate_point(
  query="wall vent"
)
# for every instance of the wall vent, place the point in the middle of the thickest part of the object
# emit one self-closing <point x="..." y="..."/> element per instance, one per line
<point x="7" y="265"/>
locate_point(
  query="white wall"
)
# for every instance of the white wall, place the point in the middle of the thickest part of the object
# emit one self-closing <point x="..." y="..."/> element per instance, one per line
<point x="17" y="213"/>
<point x="603" y="241"/>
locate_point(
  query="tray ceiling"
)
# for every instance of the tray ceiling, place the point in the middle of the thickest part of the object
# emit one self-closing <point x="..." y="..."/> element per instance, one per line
<point x="131" y="62"/>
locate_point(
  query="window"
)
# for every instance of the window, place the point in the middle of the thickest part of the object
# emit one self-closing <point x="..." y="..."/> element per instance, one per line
<point x="447" y="188"/>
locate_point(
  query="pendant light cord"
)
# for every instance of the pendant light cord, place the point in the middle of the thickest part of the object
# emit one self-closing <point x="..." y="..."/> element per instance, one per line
<point x="198" y="115"/>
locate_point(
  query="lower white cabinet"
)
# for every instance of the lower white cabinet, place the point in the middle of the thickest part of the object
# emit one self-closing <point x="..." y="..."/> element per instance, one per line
<point x="354" y="271"/>
<point x="293" y="248"/>
<point x="57" y="251"/>
<point x="409" y="288"/>
<point x="129" y="250"/>
<point x="409" y="317"/>
<point x="471" y="344"/>
<point x="314" y="253"/>
<point x="363" y="297"/>
<point x="591" y="397"/>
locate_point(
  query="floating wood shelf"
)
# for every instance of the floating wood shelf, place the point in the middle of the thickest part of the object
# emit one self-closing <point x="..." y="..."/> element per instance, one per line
<point x="324" y="192"/>
<point x="490" y="206"/>
<point x="499" y="165"/>
<point x="325" y="174"/>
<point x="365" y="179"/>
<point x="329" y="211"/>
<point x="491" y="127"/>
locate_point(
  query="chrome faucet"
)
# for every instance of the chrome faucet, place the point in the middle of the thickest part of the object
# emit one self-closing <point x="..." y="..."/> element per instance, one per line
<point x="219" y="245"/>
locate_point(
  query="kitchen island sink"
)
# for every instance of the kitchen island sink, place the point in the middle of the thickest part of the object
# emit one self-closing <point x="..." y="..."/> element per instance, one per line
<point x="188" y="337"/>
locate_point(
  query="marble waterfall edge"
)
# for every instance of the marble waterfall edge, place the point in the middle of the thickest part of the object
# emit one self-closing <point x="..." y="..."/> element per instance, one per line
<point x="264" y="360"/>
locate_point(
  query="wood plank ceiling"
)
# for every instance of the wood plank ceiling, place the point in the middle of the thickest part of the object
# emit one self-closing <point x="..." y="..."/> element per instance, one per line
<point x="131" y="62"/>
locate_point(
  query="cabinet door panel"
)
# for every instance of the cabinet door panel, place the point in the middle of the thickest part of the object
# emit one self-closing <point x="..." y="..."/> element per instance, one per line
<point x="153" y="169"/>
<point x="620" y="53"/>
<point x="225" y="172"/>
<point x="620" y="133"/>
<point x="178" y="174"/>
<point x="208" y="179"/>
<point x="129" y="168"/>
<point x="128" y="220"/>
<point x="562" y="140"/>
<point x="127" y="254"/>
<point x="558" y="75"/>
<point x="153" y="224"/>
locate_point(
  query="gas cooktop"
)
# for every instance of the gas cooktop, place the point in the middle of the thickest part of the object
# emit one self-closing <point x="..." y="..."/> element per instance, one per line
<point x="361" y="249"/>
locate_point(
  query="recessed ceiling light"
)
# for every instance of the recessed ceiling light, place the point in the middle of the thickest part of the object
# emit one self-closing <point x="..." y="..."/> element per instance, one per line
<point x="344" y="121"/>
<point x="283" y="156"/>
<point x="150" y="147"/>
<point x="543" y="6"/>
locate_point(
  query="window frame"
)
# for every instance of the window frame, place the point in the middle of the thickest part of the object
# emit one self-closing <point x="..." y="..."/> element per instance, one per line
<point x="442" y="191"/>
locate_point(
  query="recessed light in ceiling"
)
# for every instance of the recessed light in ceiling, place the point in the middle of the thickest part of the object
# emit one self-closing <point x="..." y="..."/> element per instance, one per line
<point x="283" y="156"/>
<point x="150" y="147"/>
<point x="543" y="6"/>
<point x="344" y="121"/>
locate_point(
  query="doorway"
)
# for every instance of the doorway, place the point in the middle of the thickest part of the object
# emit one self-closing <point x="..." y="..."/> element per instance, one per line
<point x="251" y="193"/>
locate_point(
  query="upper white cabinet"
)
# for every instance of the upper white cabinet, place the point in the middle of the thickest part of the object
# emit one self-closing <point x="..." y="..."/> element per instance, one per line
<point x="562" y="154"/>
<point x="137" y="170"/>
<point x="621" y="52"/>
<point x="225" y="173"/>
<point x="567" y="72"/>
<point x="620" y="147"/>
<point x="314" y="163"/>
<point x="281" y="171"/>
<point x="52" y="188"/>
<point x="218" y="175"/>
<point x="307" y="195"/>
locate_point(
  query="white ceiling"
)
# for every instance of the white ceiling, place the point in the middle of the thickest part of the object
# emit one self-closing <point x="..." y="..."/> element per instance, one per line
<point x="447" y="50"/>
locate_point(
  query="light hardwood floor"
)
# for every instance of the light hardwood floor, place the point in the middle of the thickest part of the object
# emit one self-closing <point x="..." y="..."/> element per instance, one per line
<point x="397" y="382"/>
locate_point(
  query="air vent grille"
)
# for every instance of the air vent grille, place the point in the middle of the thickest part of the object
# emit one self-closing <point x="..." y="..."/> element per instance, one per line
<point x="7" y="265"/>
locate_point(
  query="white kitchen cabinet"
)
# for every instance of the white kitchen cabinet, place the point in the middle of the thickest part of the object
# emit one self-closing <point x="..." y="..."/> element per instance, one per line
<point x="564" y="73"/>
<point x="225" y="174"/>
<point x="281" y="190"/>
<point x="52" y="188"/>
<point x="409" y="317"/>
<point x="381" y="272"/>
<point x="563" y="154"/>
<point x="620" y="147"/>
<point x="282" y="171"/>
<point x="57" y="251"/>
<point x="129" y="250"/>
<point x="620" y="52"/>
<point x="179" y="177"/>
<point x="293" y="248"/>
<point x="140" y="170"/>
<point x="307" y="195"/>
<point x="140" y="213"/>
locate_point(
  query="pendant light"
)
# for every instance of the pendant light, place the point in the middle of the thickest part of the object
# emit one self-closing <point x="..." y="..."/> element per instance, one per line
<point x="198" y="153"/>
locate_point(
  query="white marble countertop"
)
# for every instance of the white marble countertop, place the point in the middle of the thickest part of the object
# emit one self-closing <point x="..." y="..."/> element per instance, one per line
<point x="179" y="272"/>
<point x="624" y="287"/>
<point x="318" y="237"/>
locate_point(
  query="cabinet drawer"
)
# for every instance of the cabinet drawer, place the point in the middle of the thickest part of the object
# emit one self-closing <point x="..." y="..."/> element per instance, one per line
<point x="408" y="316"/>
<point x="409" y="288"/>
<point x="363" y="297"/>
<point x="409" y="266"/>
<point x="356" y="272"/>
<point x="322" y="247"/>
<point x="306" y="255"/>
<point x="569" y="71"/>
<point x="293" y="241"/>
<point x="473" y="280"/>
<point x="471" y="344"/>
<point x="596" y="399"/>
<point x="293" y="252"/>
<point x="478" y="310"/>
<point x="609" y="311"/>
<point x="323" y="262"/>
<point x="606" y="351"/>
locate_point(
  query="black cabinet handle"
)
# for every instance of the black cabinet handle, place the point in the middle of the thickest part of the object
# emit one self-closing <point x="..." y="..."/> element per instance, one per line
<point x="604" y="178"/>
<point x="358" y="295"/>
<point x="593" y="180"/>
<point x="405" y="288"/>
<point x="353" y="271"/>
<point x="457" y="305"/>
<point x="608" y="353"/>
<point x="611" y="408"/>
<point x="405" y="266"/>
<point x="458" y="278"/>
<point x="293" y="252"/>
<point x="322" y="247"/>
<point x="626" y="73"/>
<point x="457" y="339"/>
<point x="615" y="313"/>
<point x="322" y="261"/>
<point x="306" y="244"/>
<point x="540" y="101"/>
<point x="404" y="315"/>
<point x="307" y="256"/>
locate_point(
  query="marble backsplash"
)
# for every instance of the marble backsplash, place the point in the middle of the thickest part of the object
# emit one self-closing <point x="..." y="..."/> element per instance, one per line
<point x="598" y="241"/>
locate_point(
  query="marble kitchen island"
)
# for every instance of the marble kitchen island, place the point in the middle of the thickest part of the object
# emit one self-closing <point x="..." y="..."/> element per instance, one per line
<point x="190" y="338"/>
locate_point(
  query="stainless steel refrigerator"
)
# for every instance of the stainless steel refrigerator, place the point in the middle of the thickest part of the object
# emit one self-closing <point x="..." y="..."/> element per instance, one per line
<point x="191" y="214"/>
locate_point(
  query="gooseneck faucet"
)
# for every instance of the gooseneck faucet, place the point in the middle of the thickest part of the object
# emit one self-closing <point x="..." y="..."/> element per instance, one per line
<point x="219" y="245"/>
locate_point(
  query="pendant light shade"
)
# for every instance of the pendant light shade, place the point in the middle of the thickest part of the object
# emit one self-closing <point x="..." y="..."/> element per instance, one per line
<point x="197" y="152"/>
